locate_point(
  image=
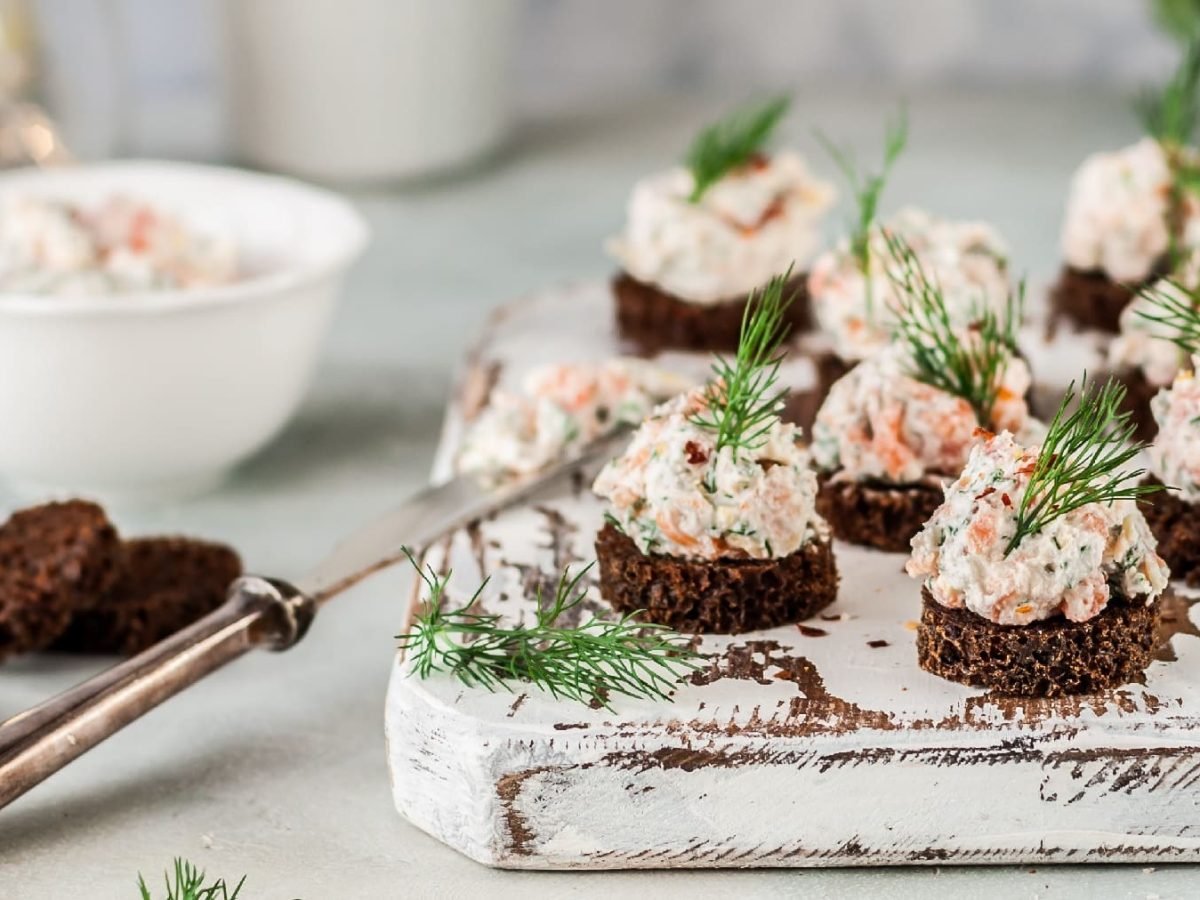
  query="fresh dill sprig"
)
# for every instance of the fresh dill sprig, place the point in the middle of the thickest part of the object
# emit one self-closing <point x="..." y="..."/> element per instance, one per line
<point x="867" y="189"/>
<point x="732" y="142"/>
<point x="1179" y="317"/>
<point x="741" y="400"/>
<point x="1171" y="115"/>
<point x="1082" y="460"/>
<point x="585" y="663"/>
<point x="190" y="883"/>
<point x="971" y="369"/>
<point x="1178" y="18"/>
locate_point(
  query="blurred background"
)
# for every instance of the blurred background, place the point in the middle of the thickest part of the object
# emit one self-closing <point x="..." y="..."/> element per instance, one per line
<point x="143" y="77"/>
<point x="491" y="144"/>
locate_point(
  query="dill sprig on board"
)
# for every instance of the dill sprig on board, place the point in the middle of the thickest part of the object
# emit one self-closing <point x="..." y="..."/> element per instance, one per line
<point x="971" y="369"/>
<point x="1171" y="115"/>
<point x="190" y="883"/>
<point x="732" y="142"/>
<point x="741" y="400"/>
<point x="585" y="663"/>
<point x="1179" y="316"/>
<point x="867" y="189"/>
<point x="1082" y="460"/>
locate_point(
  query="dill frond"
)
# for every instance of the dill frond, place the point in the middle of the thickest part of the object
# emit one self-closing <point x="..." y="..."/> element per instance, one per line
<point x="732" y="142"/>
<point x="742" y="401"/>
<point x="1178" y="18"/>
<point x="1171" y="115"/>
<point x="585" y="663"/>
<point x="1179" y="317"/>
<point x="187" y="882"/>
<point x="1082" y="460"/>
<point x="867" y="189"/>
<point x="971" y="369"/>
<point x="1171" y="112"/>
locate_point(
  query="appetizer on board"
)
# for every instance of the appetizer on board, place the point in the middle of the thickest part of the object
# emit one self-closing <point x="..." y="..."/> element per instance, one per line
<point x="903" y="420"/>
<point x="560" y="407"/>
<point x="1039" y="573"/>
<point x="1174" y="516"/>
<point x="860" y="313"/>
<point x="1131" y="213"/>
<point x="711" y="522"/>
<point x="701" y="237"/>
<point x="1147" y="353"/>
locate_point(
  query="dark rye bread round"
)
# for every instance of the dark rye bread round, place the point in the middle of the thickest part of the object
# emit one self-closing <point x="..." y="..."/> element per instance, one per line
<point x="831" y="369"/>
<point x="1090" y="299"/>
<point x="55" y="560"/>
<point x="801" y="407"/>
<point x="165" y="585"/>
<point x="726" y="596"/>
<point x="1175" y="524"/>
<point x="1138" y="394"/>
<point x="654" y="320"/>
<point x="885" y="517"/>
<point x="1051" y="658"/>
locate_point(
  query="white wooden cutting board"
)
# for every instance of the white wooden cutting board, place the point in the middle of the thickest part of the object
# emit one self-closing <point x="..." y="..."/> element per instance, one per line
<point x="820" y="745"/>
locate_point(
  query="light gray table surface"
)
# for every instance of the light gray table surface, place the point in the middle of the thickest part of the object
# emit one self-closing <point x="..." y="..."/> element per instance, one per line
<point x="274" y="767"/>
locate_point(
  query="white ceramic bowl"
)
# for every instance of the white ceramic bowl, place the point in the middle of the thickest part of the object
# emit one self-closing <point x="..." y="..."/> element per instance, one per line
<point x="157" y="394"/>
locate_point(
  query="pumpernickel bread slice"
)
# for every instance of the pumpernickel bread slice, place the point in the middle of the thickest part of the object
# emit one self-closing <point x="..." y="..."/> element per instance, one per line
<point x="55" y="560"/>
<point x="831" y="369"/>
<point x="1051" y="658"/>
<point x="165" y="584"/>
<point x="654" y="320"/>
<point x="801" y="406"/>
<point x="885" y="517"/>
<point x="1090" y="300"/>
<point x="1138" y="394"/>
<point x="1175" y="524"/>
<point x="726" y="596"/>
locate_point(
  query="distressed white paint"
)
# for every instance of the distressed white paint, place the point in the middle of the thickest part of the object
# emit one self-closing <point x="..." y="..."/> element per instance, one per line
<point x="874" y="762"/>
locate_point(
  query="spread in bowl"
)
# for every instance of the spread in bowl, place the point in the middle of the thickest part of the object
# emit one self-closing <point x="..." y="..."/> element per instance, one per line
<point x="122" y="245"/>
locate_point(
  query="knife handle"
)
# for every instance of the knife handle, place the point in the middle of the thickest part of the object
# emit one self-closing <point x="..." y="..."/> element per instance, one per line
<point x="34" y="744"/>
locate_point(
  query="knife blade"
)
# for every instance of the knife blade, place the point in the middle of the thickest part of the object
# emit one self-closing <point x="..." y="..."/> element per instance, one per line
<point x="436" y="511"/>
<point x="260" y="612"/>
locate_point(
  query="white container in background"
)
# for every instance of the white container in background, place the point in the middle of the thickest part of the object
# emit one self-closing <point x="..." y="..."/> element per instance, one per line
<point x="358" y="90"/>
<point x="134" y="77"/>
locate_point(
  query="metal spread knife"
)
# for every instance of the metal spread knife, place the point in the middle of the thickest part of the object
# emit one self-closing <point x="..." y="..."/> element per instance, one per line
<point x="259" y="612"/>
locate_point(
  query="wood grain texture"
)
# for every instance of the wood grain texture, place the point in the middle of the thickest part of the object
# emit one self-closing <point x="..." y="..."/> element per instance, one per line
<point x="819" y="745"/>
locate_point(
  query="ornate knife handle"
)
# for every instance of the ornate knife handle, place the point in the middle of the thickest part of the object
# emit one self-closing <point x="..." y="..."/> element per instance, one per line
<point x="34" y="744"/>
